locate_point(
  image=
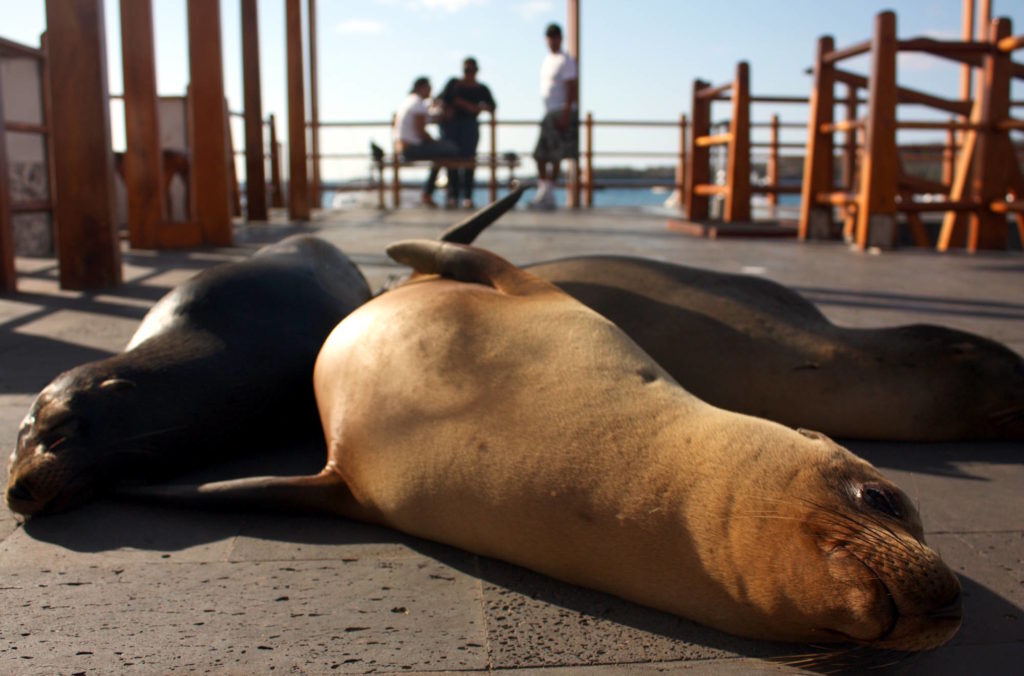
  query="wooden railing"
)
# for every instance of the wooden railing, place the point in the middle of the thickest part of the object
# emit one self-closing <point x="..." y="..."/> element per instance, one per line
<point x="985" y="169"/>
<point x="737" y="189"/>
<point x="586" y="183"/>
<point x="8" y="49"/>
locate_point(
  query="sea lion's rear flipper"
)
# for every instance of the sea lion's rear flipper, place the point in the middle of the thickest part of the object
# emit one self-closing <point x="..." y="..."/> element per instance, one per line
<point x="324" y="493"/>
<point x="466" y="264"/>
<point x="465" y="231"/>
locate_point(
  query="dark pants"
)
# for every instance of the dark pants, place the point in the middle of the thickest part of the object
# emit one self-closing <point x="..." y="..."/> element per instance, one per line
<point x="465" y="134"/>
<point x="431" y="150"/>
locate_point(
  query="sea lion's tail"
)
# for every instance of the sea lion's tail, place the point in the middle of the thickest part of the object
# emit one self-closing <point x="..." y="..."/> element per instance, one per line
<point x="467" y="230"/>
<point x="466" y="264"/>
<point x="324" y="493"/>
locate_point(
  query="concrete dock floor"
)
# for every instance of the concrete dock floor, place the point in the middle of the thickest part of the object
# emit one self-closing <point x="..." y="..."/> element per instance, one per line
<point x="114" y="587"/>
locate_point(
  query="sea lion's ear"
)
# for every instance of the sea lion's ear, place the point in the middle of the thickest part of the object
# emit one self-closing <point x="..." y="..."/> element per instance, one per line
<point x="116" y="385"/>
<point x="811" y="434"/>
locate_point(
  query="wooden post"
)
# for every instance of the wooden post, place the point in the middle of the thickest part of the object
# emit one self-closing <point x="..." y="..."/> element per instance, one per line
<point x="876" y="205"/>
<point x="396" y="187"/>
<point x="298" y="188"/>
<point x="588" y="193"/>
<point x="276" y="190"/>
<point x="698" y="170"/>
<point x="48" y="122"/>
<point x="816" y="219"/>
<point x="681" y="166"/>
<point x="493" y="126"/>
<point x="143" y="158"/>
<point x="772" y="168"/>
<point x="737" y="198"/>
<point x="255" y="174"/>
<point x="314" y="106"/>
<point x="849" y="175"/>
<point x="949" y="156"/>
<point x="994" y="152"/>
<point x="572" y="188"/>
<point x="967" y="35"/>
<point x="211" y="191"/>
<point x="88" y="247"/>
<point x="8" y="276"/>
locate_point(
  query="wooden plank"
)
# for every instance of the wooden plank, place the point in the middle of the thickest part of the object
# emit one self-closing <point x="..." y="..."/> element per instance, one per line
<point x="849" y="166"/>
<point x="876" y="208"/>
<point x="210" y="185"/>
<point x="88" y="249"/>
<point x="255" y="173"/>
<point x="298" y="186"/>
<point x="815" y="219"/>
<point x="8" y="276"/>
<point x="772" y="165"/>
<point x="143" y="177"/>
<point x="314" y="106"/>
<point x="698" y="171"/>
<point x="276" y="190"/>
<point x="952" y="232"/>
<point x="708" y="140"/>
<point x="737" y="172"/>
<point x="994" y="152"/>
<point x="681" y="166"/>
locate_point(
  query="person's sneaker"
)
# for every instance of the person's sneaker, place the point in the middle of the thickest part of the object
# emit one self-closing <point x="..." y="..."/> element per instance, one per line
<point x="542" y="198"/>
<point x="467" y="203"/>
<point x="428" y="201"/>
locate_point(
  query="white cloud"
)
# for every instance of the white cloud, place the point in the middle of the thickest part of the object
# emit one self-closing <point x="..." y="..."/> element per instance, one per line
<point x="449" y="5"/>
<point x="532" y="8"/>
<point x="361" y="26"/>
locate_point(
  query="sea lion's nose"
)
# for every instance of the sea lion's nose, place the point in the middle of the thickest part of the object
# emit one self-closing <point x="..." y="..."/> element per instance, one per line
<point x="18" y="492"/>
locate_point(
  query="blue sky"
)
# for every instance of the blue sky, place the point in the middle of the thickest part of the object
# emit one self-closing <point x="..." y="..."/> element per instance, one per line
<point x="639" y="58"/>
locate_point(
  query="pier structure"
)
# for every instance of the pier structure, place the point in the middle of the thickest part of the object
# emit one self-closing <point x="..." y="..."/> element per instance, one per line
<point x="973" y="193"/>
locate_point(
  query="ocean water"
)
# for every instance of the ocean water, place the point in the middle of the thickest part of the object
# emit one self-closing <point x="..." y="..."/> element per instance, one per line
<point x="606" y="197"/>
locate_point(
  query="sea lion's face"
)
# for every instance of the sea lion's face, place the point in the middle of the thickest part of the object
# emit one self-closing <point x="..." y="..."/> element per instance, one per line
<point x="67" y="441"/>
<point x="851" y="562"/>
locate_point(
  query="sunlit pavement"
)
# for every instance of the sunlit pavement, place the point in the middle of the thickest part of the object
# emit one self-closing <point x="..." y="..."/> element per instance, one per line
<point x="115" y="587"/>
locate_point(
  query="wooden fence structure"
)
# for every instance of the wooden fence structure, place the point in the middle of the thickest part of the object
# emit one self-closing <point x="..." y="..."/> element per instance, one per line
<point x="9" y="49"/>
<point x="974" y="193"/>
<point x="737" y="189"/>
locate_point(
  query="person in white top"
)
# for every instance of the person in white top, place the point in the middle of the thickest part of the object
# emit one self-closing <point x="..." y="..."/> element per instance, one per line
<point x="559" y="130"/>
<point x="413" y="141"/>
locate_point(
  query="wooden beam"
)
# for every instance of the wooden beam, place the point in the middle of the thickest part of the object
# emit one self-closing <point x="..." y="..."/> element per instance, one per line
<point x="994" y="152"/>
<point x="572" y="188"/>
<point x="8" y="276"/>
<point x="255" y="172"/>
<point x="86" y="230"/>
<point x="737" y="200"/>
<point x="849" y="166"/>
<point x="815" y="219"/>
<point x="698" y="171"/>
<point x="211" y="190"/>
<point x="143" y="171"/>
<point x="876" y="208"/>
<point x="298" y="186"/>
<point x="681" y="166"/>
<point x="314" y="106"/>
<point x="276" y="189"/>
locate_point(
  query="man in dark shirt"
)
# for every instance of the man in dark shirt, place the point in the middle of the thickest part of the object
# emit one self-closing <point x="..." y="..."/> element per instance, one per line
<point x="464" y="99"/>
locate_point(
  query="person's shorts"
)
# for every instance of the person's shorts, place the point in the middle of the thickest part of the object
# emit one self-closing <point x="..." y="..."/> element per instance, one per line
<point x="554" y="144"/>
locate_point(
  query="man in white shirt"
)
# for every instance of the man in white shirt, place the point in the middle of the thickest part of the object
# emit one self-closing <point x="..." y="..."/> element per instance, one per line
<point x="412" y="140"/>
<point x="559" y="130"/>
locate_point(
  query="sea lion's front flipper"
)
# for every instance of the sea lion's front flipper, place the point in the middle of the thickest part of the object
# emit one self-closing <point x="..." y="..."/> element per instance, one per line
<point x="324" y="493"/>
<point x="465" y="231"/>
<point x="467" y="264"/>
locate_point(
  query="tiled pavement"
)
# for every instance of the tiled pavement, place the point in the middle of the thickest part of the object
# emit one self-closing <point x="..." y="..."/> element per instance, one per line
<point x="118" y="587"/>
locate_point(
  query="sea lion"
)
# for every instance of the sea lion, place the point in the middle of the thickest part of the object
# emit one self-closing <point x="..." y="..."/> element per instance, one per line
<point x="754" y="346"/>
<point x="491" y="411"/>
<point x="219" y="365"/>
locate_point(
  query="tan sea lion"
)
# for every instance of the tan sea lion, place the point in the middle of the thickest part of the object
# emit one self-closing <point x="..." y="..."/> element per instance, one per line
<point x="490" y="411"/>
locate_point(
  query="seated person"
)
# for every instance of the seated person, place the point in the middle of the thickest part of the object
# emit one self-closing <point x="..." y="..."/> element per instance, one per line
<point x="412" y="140"/>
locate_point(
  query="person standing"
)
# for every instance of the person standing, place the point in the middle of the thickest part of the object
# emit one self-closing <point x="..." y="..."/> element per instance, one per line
<point x="412" y="140"/>
<point x="559" y="130"/>
<point x="464" y="99"/>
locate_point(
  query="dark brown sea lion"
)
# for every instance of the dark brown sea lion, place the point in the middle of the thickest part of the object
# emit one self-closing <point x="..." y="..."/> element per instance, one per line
<point x="754" y="346"/>
<point x="493" y="412"/>
<point x="219" y="365"/>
